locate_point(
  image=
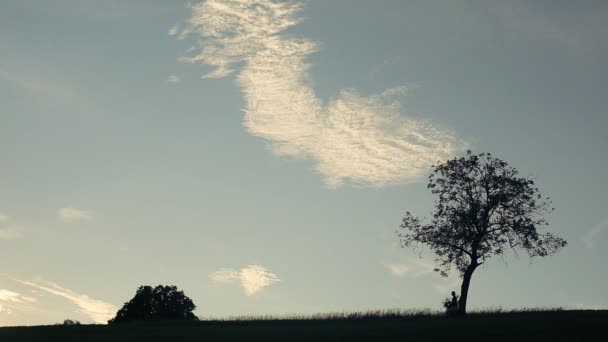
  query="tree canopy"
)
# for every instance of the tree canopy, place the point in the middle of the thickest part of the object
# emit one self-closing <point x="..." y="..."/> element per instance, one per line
<point x="484" y="208"/>
<point x="158" y="303"/>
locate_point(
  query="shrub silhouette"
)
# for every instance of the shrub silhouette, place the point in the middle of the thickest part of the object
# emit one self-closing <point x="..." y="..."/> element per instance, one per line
<point x="71" y="322"/>
<point x="159" y="303"/>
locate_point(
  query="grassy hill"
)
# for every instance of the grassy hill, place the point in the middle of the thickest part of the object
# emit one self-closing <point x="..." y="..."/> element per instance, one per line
<point x="514" y="326"/>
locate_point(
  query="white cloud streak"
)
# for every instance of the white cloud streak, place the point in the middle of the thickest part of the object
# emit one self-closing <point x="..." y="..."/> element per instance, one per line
<point x="590" y="235"/>
<point x="99" y="311"/>
<point x="252" y="278"/>
<point x="354" y="139"/>
<point x="69" y="214"/>
<point x="14" y="297"/>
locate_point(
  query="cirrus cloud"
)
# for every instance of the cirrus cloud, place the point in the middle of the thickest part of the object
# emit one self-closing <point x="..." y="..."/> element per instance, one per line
<point x="354" y="139"/>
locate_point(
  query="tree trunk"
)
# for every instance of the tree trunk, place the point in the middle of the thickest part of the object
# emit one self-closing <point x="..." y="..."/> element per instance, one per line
<point x="464" y="288"/>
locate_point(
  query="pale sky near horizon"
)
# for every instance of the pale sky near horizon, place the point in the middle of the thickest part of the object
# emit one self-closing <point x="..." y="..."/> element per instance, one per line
<point x="260" y="155"/>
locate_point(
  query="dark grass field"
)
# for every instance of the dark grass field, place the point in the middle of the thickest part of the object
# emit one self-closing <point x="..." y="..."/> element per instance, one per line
<point x="511" y="326"/>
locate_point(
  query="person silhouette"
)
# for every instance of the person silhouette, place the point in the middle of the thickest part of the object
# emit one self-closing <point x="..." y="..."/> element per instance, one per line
<point x="452" y="309"/>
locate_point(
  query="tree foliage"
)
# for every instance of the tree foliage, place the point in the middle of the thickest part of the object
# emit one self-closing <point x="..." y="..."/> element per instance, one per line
<point x="158" y="303"/>
<point x="484" y="208"/>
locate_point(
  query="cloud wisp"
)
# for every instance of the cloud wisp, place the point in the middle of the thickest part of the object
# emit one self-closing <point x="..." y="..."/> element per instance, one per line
<point x="354" y="139"/>
<point x="252" y="278"/>
<point x="70" y="214"/>
<point x="99" y="311"/>
<point x="173" y="78"/>
<point x="415" y="268"/>
<point x="590" y="235"/>
<point x="11" y="301"/>
<point x="14" y="297"/>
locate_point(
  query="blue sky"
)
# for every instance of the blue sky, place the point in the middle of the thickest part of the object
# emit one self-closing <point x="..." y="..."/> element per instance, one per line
<point x="261" y="155"/>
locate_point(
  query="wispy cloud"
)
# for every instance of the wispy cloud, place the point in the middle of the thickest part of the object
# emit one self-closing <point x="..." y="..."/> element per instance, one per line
<point x="5" y="309"/>
<point x="173" y="30"/>
<point x="398" y="270"/>
<point x="224" y="275"/>
<point x="99" y="311"/>
<point x="173" y="78"/>
<point x="590" y="235"/>
<point x="354" y="139"/>
<point x="11" y="302"/>
<point x="253" y="278"/>
<point x="69" y="214"/>
<point x="413" y="268"/>
<point x="11" y="233"/>
<point x="14" y="297"/>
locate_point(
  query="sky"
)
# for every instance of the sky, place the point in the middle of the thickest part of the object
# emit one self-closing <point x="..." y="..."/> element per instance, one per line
<point x="260" y="155"/>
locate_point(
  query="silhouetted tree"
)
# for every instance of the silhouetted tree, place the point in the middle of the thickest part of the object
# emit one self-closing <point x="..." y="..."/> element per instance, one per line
<point x="484" y="208"/>
<point x="159" y="303"/>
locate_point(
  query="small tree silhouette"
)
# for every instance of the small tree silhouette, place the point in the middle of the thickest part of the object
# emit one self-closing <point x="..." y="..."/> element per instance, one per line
<point x="484" y="209"/>
<point x="159" y="303"/>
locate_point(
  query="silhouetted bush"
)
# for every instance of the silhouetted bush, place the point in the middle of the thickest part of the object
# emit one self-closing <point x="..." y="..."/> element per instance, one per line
<point x="159" y="303"/>
<point x="450" y="308"/>
<point x="447" y="302"/>
<point x="71" y="322"/>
